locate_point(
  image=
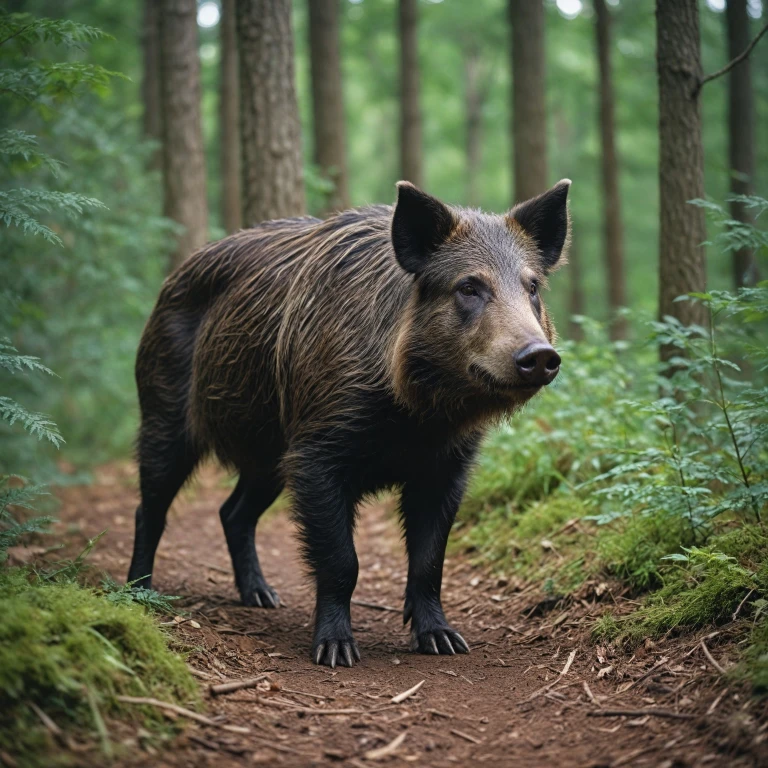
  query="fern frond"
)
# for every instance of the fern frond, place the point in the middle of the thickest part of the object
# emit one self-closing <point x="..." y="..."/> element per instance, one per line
<point x="17" y="143"/>
<point x="37" y="83"/>
<point x="12" y="361"/>
<point x="37" y="424"/>
<point x="25" y="29"/>
<point x="21" y="496"/>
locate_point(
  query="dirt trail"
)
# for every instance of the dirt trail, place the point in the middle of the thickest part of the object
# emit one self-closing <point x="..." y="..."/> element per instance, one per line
<point x="504" y="704"/>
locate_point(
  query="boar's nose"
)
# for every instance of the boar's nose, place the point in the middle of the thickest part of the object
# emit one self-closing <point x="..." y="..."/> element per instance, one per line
<point x="537" y="364"/>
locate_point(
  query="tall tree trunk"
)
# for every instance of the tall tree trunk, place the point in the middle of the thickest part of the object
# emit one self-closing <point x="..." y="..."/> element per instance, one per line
<point x="411" y="161"/>
<point x="575" y="288"/>
<point x="273" y="177"/>
<point x="741" y="143"/>
<point x="474" y="96"/>
<point x="229" y="121"/>
<point x="328" y="100"/>
<point x="682" y="266"/>
<point x="529" y="115"/>
<point x="152" y="125"/>
<point x="613" y="233"/>
<point x="183" y="158"/>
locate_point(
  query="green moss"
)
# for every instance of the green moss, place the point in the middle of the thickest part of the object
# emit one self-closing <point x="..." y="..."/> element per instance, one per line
<point x="71" y="651"/>
<point x="511" y="541"/>
<point x="631" y="549"/>
<point x="707" y="590"/>
<point x="755" y="664"/>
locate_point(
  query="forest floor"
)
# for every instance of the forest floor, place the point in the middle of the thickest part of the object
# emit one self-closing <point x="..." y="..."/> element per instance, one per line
<point x="535" y="690"/>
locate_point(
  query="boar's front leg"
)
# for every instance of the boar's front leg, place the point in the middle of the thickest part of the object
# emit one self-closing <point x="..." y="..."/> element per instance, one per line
<point x="428" y="506"/>
<point x="326" y="518"/>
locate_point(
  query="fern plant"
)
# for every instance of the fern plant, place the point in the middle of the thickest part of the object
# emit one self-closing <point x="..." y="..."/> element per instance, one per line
<point x="34" y="84"/>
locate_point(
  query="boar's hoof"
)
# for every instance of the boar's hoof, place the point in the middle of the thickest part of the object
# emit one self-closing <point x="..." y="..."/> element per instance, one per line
<point x="445" y="640"/>
<point x="333" y="652"/>
<point x="261" y="596"/>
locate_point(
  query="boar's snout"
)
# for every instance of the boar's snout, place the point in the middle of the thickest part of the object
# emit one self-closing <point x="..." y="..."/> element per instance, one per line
<point x="537" y="364"/>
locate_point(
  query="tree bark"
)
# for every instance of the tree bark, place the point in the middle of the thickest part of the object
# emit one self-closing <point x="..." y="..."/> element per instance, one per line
<point x="270" y="132"/>
<point x="529" y="116"/>
<point x="152" y="125"/>
<point x="183" y="159"/>
<point x="411" y="160"/>
<point x="328" y="101"/>
<point x="613" y="233"/>
<point x="229" y="120"/>
<point x="741" y="142"/>
<point x="682" y="266"/>
<point x="474" y="96"/>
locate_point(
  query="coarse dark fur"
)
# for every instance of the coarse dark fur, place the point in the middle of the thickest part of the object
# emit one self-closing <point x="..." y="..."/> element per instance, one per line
<point x="337" y="358"/>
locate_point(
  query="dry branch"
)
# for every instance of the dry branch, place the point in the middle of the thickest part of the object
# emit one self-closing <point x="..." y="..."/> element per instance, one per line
<point x="640" y="713"/>
<point x="407" y="694"/>
<point x="236" y="685"/>
<point x="202" y="719"/>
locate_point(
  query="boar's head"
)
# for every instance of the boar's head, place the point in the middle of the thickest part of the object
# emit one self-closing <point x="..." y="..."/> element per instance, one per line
<point x="476" y="331"/>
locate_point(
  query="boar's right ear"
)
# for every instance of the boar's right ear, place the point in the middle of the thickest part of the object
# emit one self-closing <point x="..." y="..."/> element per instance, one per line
<point x="420" y="224"/>
<point x="545" y="219"/>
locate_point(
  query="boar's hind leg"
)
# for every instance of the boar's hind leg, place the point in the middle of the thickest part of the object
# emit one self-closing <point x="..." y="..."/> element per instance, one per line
<point x="239" y="515"/>
<point x="164" y="466"/>
<point x="326" y="519"/>
<point x="428" y="507"/>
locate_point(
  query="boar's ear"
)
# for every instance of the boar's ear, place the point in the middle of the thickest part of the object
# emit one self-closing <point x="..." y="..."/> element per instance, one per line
<point x="420" y="224"/>
<point x="545" y="219"/>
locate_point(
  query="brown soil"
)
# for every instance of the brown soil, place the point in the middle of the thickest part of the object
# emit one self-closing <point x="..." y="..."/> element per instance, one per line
<point x="525" y="696"/>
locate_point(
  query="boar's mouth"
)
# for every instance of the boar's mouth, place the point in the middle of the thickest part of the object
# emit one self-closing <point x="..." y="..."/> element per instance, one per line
<point x="498" y="385"/>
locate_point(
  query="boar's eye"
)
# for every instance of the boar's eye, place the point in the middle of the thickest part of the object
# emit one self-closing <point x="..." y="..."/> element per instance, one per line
<point x="467" y="289"/>
<point x="534" y="289"/>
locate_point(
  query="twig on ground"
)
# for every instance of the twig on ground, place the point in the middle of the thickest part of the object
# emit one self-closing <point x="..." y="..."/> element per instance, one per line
<point x="199" y="673"/>
<point x="640" y="713"/>
<point x="711" y="658"/>
<point x="407" y="694"/>
<point x="741" y="604"/>
<point x="660" y="663"/>
<point x="202" y="719"/>
<point x="545" y="688"/>
<point x="466" y="736"/>
<point x="236" y="685"/>
<point x="46" y="721"/>
<point x="386" y="750"/>
<point x="375" y="606"/>
<point x="589" y="693"/>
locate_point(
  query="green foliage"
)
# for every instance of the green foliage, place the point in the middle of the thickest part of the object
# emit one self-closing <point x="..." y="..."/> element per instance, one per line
<point x="705" y="586"/>
<point x="71" y="652"/>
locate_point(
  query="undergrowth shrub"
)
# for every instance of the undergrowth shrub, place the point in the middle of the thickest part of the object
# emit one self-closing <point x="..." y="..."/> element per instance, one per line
<point x="666" y="468"/>
<point x="66" y="650"/>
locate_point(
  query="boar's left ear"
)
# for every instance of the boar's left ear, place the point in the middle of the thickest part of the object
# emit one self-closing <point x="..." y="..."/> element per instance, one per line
<point x="545" y="219"/>
<point x="420" y="224"/>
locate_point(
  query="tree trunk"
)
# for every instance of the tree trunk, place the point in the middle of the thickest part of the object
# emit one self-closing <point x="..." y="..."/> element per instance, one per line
<point x="411" y="162"/>
<point x="741" y="141"/>
<point x="529" y="116"/>
<point x="152" y="125"/>
<point x="682" y="266"/>
<point x="474" y="97"/>
<point x="183" y="158"/>
<point x="328" y="101"/>
<point x="229" y="121"/>
<point x="613" y="233"/>
<point x="270" y="132"/>
<point x="575" y="289"/>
